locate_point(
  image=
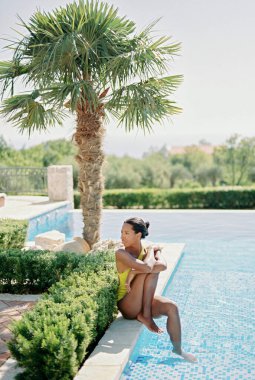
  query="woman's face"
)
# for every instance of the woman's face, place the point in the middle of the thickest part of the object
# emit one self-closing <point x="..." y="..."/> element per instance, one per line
<point x="128" y="235"/>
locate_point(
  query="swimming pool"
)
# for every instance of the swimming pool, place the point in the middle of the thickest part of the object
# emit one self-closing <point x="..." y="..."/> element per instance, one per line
<point x="214" y="288"/>
<point x="166" y="225"/>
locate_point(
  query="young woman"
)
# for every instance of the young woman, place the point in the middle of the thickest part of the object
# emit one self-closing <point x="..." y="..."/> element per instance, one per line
<point x="138" y="271"/>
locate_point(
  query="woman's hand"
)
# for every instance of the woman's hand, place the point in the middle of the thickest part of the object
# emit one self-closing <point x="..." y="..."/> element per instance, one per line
<point x="157" y="249"/>
<point x="128" y="287"/>
<point x="149" y="258"/>
<point x="129" y="279"/>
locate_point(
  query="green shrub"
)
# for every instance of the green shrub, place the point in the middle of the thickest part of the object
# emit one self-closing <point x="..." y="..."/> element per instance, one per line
<point x="101" y="288"/>
<point x="51" y="340"/>
<point x="13" y="233"/>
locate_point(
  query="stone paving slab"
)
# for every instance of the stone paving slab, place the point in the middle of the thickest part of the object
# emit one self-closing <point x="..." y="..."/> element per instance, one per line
<point x="12" y="306"/>
<point x="95" y="373"/>
<point x="9" y="370"/>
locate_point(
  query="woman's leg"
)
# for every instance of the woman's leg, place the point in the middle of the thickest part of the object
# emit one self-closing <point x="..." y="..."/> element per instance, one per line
<point x="131" y="304"/>
<point x="139" y="300"/>
<point x="163" y="306"/>
<point x="145" y="315"/>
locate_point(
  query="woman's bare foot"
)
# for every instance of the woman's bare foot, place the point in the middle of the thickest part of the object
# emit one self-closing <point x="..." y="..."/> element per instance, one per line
<point x="149" y="323"/>
<point x="186" y="356"/>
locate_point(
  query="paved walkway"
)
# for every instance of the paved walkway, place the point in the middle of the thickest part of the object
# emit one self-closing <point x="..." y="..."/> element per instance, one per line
<point x="11" y="309"/>
<point x="27" y="207"/>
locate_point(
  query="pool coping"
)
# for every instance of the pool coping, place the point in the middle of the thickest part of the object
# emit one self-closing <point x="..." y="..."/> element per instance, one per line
<point x="29" y="207"/>
<point x="111" y="355"/>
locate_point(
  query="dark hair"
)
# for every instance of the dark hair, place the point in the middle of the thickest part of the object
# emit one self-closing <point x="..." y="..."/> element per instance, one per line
<point x="139" y="225"/>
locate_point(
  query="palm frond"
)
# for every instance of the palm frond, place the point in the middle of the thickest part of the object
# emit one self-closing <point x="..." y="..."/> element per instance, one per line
<point x="77" y="94"/>
<point x="9" y="71"/>
<point x="27" y="113"/>
<point x="144" y="103"/>
<point x="72" y="42"/>
<point x="144" y="57"/>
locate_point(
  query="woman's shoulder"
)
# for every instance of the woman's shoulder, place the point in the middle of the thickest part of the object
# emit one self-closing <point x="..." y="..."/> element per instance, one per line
<point x="122" y="257"/>
<point x="120" y="252"/>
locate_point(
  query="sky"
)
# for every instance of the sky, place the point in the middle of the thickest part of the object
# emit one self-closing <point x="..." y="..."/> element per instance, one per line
<point x="217" y="61"/>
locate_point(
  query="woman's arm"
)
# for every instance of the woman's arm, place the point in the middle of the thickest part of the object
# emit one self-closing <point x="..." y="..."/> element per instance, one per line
<point x="159" y="264"/>
<point x="129" y="279"/>
<point x="129" y="261"/>
<point x="150" y="258"/>
<point x="156" y="269"/>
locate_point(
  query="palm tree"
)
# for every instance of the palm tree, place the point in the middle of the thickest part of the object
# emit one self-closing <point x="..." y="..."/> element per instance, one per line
<point x="86" y="59"/>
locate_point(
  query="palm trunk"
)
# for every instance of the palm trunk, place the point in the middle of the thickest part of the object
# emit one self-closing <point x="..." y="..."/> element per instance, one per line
<point x="90" y="157"/>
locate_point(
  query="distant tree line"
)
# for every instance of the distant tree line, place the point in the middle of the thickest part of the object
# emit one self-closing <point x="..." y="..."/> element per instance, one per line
<point x="232" y="163"/>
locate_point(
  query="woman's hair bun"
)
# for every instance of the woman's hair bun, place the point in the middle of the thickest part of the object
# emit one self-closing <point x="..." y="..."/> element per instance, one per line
<point x="147" y="224"/>
<point x="139" y="225"/>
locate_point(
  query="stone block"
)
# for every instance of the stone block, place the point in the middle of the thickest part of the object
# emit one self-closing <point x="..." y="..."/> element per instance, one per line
<point x="30" y="245"/>
<point x="77" y="245"/>
<point x="49" y="240"/>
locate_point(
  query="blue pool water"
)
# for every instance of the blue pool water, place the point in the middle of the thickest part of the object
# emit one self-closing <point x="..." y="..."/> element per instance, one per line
<point x="166" y="226"/>
<point x="58" y="219"/>
<point x="214" y="287"/>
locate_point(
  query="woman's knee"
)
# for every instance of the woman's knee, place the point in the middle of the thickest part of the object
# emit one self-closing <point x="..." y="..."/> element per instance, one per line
<point x="152" y="276"/>
<point x="172" y="308"/>
<point x="129" y="316"/>
<point x="140" y="277"/>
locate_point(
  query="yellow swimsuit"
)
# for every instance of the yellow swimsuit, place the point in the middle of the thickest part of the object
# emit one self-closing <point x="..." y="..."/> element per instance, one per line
<point x="122" y="291"/>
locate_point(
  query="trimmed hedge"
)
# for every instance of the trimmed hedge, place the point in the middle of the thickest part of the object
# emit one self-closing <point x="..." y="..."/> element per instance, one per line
<point x="206" y="198"/>
<point x="51" y="340"/>
<point x="35" y="271"/>
<point x="76" y="199"/>
<point x="13" y="233"/>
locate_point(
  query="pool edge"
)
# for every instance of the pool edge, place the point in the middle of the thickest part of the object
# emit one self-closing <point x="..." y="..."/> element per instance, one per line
<point x="111" y="355"/>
